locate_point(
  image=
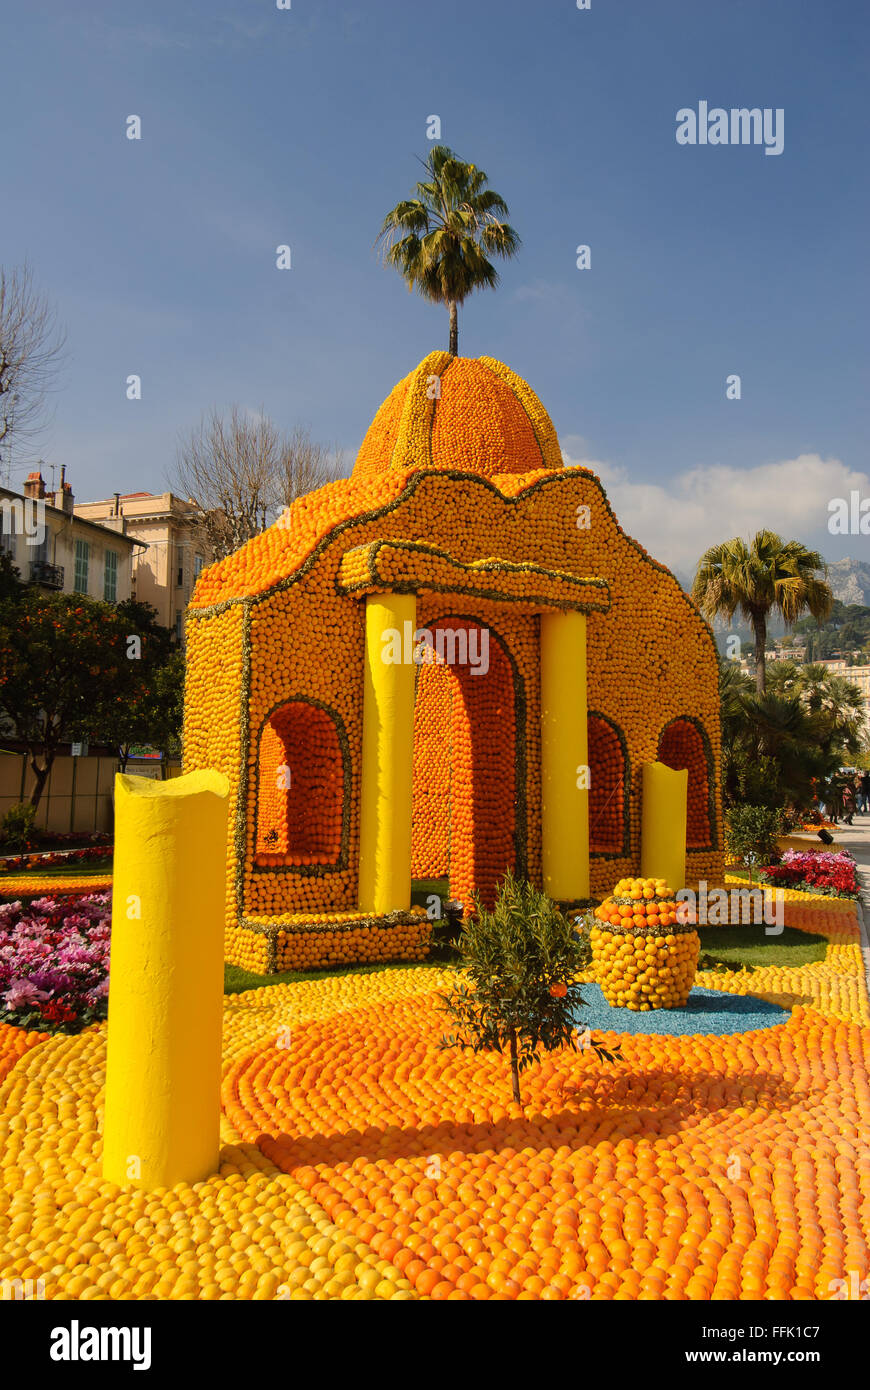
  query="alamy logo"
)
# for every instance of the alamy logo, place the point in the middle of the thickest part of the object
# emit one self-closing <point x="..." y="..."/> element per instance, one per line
<point x="23" y="516"/>
<point x="741" y="125"/>
<point x="21" y="1289"/>
<point x="849" y="518"/>
<point x="75" y="1343"/>
<point x="447" y="646"/>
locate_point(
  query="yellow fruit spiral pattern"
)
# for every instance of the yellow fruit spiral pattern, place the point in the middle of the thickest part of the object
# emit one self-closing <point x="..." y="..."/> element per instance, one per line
<point x="360" y="1162"/>
<point x="52" y="885"/>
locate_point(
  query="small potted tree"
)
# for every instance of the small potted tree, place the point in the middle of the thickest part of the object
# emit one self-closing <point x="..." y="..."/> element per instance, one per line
<point x="752" y="833"/>
<point x="517" y="989"/>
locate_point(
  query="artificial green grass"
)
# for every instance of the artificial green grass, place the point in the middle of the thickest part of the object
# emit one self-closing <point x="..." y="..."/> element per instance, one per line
<point x="424" y="888"/>
<point x="747" y="945"/>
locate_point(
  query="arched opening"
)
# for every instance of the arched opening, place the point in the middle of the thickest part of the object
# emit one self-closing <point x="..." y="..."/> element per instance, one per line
<point x="301" y="776"/>
<point x="468" y="779"/>
<point x="683" y="745"/>
<point x="608" y="787"/>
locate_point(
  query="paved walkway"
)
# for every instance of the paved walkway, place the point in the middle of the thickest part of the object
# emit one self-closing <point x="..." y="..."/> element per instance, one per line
<point x="856" y="839"/>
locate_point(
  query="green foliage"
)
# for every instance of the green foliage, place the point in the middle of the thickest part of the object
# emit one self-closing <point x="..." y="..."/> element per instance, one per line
<point x="785" y="747"/>
<point x="751" y="833"/>
<point x="765" y="576"/>
<point x="11" y="586"/>
<point x="66" y="673"/>
<point x="17" y="828"/>
<point x="516" y="987"/>
<point x="155" y="718"/>
<point x="441" y="241"/>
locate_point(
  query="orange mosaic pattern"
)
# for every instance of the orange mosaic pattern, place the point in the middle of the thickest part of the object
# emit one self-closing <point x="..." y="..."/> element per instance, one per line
<point x="608" y="776"/>
<point x="273" y="624"/>
<point x="300" y="788"/>
<point x="682" y="746"/>
<point x="14" y="1042"/>
<point x="699" y="1167"/>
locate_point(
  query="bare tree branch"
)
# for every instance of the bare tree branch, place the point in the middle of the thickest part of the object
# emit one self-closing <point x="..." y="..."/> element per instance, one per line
<point x="31" y="352"/>
<point x="241" y="471"/>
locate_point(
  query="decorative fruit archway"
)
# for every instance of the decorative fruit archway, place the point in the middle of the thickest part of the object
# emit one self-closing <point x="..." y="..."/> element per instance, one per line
<point x="610" y="782"/>
<point x="301" y="787"/>
<point x="468" y="811"/>
<point x="684" y="744"/>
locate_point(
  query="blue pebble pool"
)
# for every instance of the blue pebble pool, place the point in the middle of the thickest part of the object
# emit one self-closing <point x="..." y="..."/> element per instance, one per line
<point x="707" y="1011"/>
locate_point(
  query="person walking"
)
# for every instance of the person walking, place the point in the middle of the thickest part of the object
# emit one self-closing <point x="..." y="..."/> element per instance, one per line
<point x="849" y="800"/>
<point x="864" y="786"/>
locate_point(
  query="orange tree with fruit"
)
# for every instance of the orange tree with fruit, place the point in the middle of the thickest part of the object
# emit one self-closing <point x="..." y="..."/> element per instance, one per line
<point x="517" y="988"/>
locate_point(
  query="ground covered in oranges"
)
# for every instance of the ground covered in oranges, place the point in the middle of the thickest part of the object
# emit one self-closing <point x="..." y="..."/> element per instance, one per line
<point x="361" y="1162"/>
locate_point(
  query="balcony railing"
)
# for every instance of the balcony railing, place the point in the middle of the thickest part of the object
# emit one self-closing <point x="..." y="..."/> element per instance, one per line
<point x="50" y="576"/>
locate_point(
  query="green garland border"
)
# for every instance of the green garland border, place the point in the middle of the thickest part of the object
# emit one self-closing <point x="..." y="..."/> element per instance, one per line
<point x="625" y="851"/>
<point x="707" y="747"/>
<point x="407" y="586"/>
<point x="341" y="863"/>
<point x="272" y="930"/>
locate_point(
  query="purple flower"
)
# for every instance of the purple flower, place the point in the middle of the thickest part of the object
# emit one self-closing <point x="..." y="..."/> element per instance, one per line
<point x="22" y="992"/>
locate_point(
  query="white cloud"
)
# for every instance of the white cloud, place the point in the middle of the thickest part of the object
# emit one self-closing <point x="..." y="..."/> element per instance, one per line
<point x="541" y="292"/>
<point x="677" y="520"/>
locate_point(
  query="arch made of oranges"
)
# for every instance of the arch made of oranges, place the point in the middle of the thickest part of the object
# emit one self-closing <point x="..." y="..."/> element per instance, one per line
<point x="475" y="465"/>
<point x="480" y="723"/>
<point x="609" y="788"/>
<point x="302" y="789"/>
<point x="685" y="744"/>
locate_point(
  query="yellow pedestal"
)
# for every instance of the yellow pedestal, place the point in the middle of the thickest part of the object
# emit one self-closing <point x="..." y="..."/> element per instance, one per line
<point x="166" y="980"/>
<point x="388" y="752"/>
<point x="564" y="756"/>
<point x="663" y="824"/>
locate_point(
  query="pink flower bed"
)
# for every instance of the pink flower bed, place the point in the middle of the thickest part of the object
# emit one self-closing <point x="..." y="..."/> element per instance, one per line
<point x="54" y="962"/>
<point x="816" y="871"/>
<point x="52" y="859"/>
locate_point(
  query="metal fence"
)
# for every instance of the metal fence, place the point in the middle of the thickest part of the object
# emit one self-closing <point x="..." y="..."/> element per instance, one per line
<point x="79" y="792"/>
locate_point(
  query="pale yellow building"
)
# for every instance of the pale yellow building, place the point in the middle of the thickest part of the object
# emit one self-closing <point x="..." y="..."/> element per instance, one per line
<point x="163" y="574"/>
<point x="52" y="547"/>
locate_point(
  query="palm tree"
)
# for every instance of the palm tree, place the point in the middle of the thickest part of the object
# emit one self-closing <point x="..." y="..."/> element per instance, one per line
<point x="440" y="241"/>
<point x="765" y="575"/>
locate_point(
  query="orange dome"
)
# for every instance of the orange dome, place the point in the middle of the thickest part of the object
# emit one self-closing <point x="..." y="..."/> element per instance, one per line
<point x="470" y="414"/>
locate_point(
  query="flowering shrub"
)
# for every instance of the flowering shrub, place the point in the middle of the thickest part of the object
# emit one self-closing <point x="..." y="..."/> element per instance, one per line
<point x="815" y="872"/>
<point x="54" y="962"/>
<point x="96" y="854"/>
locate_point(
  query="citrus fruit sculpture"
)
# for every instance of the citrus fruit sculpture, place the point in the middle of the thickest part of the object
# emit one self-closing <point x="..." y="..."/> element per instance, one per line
<point x="644" y="948"/>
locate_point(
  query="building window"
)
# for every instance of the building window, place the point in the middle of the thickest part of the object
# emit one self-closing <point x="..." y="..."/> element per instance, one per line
<point x="198" y="566"/>
<point x="80" y="585"/>
<point x="179" y="623"/>
<point x="110" y="577"/>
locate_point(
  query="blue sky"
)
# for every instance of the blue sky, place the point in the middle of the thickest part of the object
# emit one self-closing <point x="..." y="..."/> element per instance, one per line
<point x="262" y="126"/>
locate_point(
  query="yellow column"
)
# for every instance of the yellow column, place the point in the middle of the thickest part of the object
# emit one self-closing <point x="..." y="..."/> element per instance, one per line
<point x="388" y="750"/>
<point x="663" y="824"/>
<point x="163" y="1067"/>
<point x="564" y="756"/>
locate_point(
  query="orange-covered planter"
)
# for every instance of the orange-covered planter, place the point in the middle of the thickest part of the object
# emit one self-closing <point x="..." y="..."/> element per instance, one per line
<point x="643" y="954"/>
